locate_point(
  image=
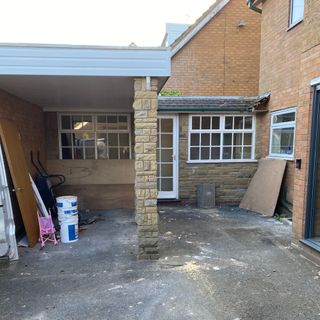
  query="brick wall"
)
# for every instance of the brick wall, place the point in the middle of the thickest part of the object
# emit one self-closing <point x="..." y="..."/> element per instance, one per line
<point x="279" y="73"/>
<point x="30" y="121"/>
<point x="290" y="59"/>
<point x="222" y="59"/>
<point x="231" y="179"/>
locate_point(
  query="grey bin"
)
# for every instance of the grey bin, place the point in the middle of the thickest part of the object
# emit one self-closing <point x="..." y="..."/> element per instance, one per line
<point x="206" y="196"/>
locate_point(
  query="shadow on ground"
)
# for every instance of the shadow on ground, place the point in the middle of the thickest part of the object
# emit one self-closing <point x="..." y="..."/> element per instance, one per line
<point x="223" y="263"/>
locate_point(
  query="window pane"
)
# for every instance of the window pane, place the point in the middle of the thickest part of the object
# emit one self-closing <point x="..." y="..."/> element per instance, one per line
<point x="112" y="122"/>
<point x="166" y="170"/>
<point x="228" y="122"/>
<point x="194" y="153"/>
<point x="166" y="141"/>
<point x="215" y="153"/>
<point x="78" y="153"/>
<point x="247" y="152"/>
<point x="124" y="153"/>
<point x="215" y="139"/>
<point x="227" y="139"/>
<point x="65" y="123"/>
<point x="87" y="123"/>
<point x="226" y="153"/>
<point x="102" y="146"/>
<point x="66" y="139"/>
<point x="238" y="122"/>
<point x="123" y="122"/>
<point x="195" y="139"/>
<point x="297" y="9"/>
<point x="101" y="122"/>
<point x="112" y="139"/>
<point x="248" y="123"/>
<point x="205" y="139"/>
<point x="66" y="153"/>
<point x="205" y="153"/>
<point x="205" y="123"/>
<point x="124" y="139"/>
<point x="113" y="153"/>
<point x="195" y="122"/>
<point x="215" y="123"/>
<point x="282" y="141"/>
<point x="166" y="155"/>
<point x="167" y="125"/>
<point x="89" y="153"/>
<point x="247" y="139"/>
<point x="237" y="152"/>
<point x="237" y="139"/>
<point x="77" y="122"/>
<point x="287" y="117"/>
<point x="166" y="184"/>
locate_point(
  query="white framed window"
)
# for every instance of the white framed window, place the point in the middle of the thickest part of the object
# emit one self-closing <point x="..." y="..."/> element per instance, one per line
<point x="282" y="133"/>
<point x="296" y="11"/>
<point x="94" y="136"/>
<point x="221" y="138"/>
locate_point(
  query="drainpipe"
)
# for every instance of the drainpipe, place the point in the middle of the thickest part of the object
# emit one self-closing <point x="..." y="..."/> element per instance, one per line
<point x="252" y="4"/>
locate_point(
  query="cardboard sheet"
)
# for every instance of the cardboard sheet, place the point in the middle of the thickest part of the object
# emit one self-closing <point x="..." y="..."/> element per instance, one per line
<point x="11" y="141"/>
<point x="263" y="191"/>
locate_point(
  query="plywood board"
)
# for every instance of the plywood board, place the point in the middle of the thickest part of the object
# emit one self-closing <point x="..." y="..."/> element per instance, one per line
<point x="11" y="141"/>
<point x="263" y="191"/>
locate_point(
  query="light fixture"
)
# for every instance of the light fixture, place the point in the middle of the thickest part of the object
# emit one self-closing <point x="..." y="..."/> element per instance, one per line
<point x="241" y="24"/>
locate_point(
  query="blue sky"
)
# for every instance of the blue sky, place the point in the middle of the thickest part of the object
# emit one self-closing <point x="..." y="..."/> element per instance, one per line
<point x="94" y="22"/>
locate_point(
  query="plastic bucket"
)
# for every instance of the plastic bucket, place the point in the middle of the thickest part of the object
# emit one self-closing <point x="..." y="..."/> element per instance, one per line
<point x="68" y="228"/>
<point x="67" y="202"/>
<point x="69" y="211"/>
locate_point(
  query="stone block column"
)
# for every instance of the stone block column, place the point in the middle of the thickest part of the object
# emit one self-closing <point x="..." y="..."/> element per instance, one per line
<point x="145" y="128"/>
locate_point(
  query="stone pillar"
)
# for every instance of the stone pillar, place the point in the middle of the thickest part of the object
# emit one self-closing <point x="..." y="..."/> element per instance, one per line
<point x="145" y="128"/>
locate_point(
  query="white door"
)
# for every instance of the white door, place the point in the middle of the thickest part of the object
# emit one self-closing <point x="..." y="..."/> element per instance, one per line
<point x="167" y="157"/>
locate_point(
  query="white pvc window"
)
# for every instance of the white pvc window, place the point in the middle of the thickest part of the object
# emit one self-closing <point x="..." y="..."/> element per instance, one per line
<point x="94" y="136"/>
<point x="217" y="138"/>
<point x="282" y="133"/>
<point x="296" y="11"/>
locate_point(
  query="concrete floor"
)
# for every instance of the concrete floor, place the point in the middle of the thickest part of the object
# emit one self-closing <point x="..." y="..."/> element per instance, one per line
<point x="219" y="264"/>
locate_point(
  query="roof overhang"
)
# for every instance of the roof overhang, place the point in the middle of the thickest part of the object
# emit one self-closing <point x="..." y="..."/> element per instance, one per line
<point x="213" y="104"/>
<point x="54" y="76"/>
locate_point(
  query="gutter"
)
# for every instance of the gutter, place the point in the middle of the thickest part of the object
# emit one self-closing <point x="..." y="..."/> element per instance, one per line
<point x="200" y="109"/>
<point x="252" y="4"/>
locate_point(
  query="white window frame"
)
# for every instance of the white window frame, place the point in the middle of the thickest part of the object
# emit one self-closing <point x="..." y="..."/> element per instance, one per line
<point x="222" y="130"/>
<point x="94" y="131"/>
<point x="291" y="22"/>
<point x="282" y="125"/>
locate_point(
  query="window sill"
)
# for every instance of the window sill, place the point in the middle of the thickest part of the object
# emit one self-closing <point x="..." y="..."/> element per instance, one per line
<point x="220" y="161"/>
<point x="280" y="158"/>
<point x="291" y="26"/>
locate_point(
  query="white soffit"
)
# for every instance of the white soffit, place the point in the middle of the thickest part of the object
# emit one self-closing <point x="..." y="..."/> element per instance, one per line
<point x="185" y="39"/>
<point x="54" y="60"/>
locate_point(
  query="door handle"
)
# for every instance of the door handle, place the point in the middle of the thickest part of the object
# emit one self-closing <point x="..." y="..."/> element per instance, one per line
<point x="17" y="189"/>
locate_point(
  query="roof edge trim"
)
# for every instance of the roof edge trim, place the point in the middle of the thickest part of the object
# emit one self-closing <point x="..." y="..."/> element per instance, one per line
<point x="198" y="27"/>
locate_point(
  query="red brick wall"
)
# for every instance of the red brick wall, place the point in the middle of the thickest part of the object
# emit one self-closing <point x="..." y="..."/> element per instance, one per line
<point x="290" y="59"/>
<point x="30" y="121"/>
<point x="222" y="59"/>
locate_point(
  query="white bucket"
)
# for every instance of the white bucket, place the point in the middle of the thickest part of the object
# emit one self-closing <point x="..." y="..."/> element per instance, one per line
<point x="67" y="202"/>
<point x="69" y="211"/>
<point x="68" y="228"/>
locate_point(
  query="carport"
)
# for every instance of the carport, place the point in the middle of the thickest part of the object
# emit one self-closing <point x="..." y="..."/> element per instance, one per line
<point x="96" y="121"/>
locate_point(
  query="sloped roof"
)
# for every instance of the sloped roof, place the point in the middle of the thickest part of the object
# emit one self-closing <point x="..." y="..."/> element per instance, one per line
<point x="198" y="25"/>
<point x="212" y="104"/>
